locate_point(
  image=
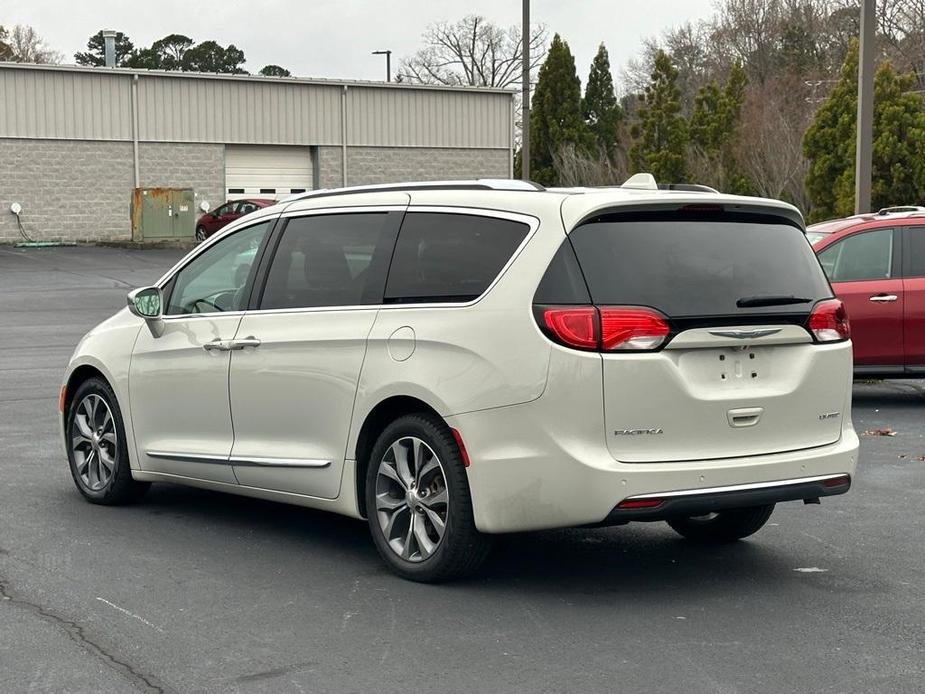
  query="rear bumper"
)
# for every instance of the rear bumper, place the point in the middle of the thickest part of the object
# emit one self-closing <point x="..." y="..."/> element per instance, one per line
<point x="533" y="469"/>
<point x="657" y="507"/>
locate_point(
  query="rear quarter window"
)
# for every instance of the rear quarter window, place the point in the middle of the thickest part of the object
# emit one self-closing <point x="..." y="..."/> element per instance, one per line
<point x="698" y="264"/>
<point x="448" y="257"/>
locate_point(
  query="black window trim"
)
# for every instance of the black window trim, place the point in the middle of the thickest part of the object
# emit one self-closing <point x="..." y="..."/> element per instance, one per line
<point x="896" y="264"/>
<point x="906" y="255"/>
<point x="532" y="222"/>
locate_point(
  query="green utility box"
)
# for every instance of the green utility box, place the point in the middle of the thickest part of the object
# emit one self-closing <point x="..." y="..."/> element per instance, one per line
<point x="163" y="214"/>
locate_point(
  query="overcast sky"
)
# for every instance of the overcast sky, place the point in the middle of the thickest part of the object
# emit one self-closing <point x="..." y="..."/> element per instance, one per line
<point x="333" y="38"/>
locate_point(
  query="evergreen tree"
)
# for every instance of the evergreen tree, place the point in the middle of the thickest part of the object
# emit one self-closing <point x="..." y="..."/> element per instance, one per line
<point x="555" y="118"/>
<point x="714" y="130"/>
<point x="898" y="168"/>
<point x="601" y="111"/>
<point x="661" y="131"/>
<point x="96" y="51"/>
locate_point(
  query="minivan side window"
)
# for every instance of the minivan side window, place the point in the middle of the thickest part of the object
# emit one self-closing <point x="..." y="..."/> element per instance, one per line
<point x="864" y="256"/>
<point x="915" y="252"/>
<point x="216" y="279"/>
<point x="331" y="260"/>
<point x="449" y="257"/>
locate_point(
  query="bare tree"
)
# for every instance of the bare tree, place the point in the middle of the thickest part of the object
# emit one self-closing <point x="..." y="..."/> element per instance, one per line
<point x="24" y="45"/>
<point x="473" y="52"/>
<point x="775" y="117"/>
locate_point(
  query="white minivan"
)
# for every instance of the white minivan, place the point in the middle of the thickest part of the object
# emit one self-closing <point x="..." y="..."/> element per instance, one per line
<point x="455" y="360"/>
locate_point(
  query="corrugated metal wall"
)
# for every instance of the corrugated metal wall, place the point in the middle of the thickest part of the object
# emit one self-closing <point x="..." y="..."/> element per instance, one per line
<point x="72" y="103"/>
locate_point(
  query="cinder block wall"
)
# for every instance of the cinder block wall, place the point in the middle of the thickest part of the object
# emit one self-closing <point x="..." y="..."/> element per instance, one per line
<point x="370" y="165"/>
<point x="70" y="190"/>
<point x="81" y="190"/>
<point x="184" y="165"/>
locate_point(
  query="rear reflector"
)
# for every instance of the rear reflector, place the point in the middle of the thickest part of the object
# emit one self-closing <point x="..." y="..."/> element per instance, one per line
<point x="639" y="503"/>
<point x="604" y="328"/>
<point x="829" y="321"/>
<point x="839" y="481"/>
<point x="464" y="454"/>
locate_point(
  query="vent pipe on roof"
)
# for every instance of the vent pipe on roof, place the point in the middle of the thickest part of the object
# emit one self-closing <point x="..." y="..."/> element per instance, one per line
<point x="109" y="47"/>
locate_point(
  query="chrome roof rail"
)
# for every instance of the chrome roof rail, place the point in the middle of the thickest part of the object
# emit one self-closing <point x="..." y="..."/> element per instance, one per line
<point x="476" y="184"/>
<point x="898" y="209"/>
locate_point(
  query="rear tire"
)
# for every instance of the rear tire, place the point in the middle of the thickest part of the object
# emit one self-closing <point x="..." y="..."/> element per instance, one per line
<point x="722" y="526"/>
<point x="97" y="449"/>
<point x="418" y="502"/>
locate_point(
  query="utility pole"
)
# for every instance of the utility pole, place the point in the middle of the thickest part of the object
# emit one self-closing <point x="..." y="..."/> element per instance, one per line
<point x="862" y="164"/>
<point x="525" y="114"/>
<point x="388" y="63"/>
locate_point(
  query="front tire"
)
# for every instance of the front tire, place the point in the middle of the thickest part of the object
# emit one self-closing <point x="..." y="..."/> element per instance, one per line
<point x="418" y="502"/>
<point x="723" y="526"/>
<point x="97" y="448"/>
<point x="200" y="234"/>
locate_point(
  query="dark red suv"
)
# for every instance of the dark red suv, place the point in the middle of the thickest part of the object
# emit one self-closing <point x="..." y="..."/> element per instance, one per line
<point x="211" y="222"/>
<point x="876" y="264"/>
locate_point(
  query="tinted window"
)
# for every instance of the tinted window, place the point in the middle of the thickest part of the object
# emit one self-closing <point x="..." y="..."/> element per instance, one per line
<point x="216" y="279"/>
<point x="450" y="257"/>
<point x="330" y="260"/>
<point x="864" y="256"/>
<point x="563" y="282"/>
<point x="687" y="266"/>
<point x="915" y="252"/>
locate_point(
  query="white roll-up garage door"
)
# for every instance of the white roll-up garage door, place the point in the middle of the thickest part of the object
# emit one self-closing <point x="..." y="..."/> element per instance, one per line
<point x="267" y="170"/>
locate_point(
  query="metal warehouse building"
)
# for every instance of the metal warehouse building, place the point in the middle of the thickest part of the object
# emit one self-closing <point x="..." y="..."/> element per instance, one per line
<point x="75" y="142"/>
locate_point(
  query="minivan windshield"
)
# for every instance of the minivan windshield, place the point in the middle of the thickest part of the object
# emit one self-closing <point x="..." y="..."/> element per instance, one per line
<point x="699" y="264"/>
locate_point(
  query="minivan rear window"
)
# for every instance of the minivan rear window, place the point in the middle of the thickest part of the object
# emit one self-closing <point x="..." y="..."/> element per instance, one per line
<point x="699" y="264"/>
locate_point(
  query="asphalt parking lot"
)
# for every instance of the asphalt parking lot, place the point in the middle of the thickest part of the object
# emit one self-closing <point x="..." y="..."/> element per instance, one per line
<point x="194" y="591"/>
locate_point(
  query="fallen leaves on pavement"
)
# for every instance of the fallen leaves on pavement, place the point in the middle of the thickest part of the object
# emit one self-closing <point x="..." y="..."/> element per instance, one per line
<point x="886" y="431"/>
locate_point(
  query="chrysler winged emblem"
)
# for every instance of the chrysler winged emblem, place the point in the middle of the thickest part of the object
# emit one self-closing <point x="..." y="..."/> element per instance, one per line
<point x="745" y="334"/>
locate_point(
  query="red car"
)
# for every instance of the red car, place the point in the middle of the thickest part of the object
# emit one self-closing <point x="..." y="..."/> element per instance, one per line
<point x="211" y="222"/>
<point x="876" y="264"/>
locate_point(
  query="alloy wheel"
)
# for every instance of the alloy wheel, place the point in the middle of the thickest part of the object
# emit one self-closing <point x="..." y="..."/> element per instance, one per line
<point x="94" y="442"/>
<point x="412" y="501"/>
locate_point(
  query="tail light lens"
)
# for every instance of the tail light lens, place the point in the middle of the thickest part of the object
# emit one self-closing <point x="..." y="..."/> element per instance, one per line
<point x="625" y="328"/>
<point x="573" y="326"/>
<point x="606" y="328"/>
<point x="829" y="321"/>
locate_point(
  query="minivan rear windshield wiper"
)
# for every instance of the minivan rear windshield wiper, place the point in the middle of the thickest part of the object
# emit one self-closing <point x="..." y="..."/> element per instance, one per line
<point x="771" y="300"/>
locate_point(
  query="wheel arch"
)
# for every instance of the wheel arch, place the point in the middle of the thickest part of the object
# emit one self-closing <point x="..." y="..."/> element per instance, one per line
<point x="378" y="418"/>
<point x="77" y="377"/>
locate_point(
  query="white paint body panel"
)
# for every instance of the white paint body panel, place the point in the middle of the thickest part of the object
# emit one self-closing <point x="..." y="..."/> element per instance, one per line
<point x="532" y="414"/>
<point x="179" y="396"/>
<point x="292" y="397"/>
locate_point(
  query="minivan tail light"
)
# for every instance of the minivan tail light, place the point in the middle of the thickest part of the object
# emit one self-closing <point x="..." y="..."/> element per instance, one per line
<point x="829" y="321"/>
<point x="604" y="328"/>
<point x="573" y="326"/>
<point x="630" y="328"/>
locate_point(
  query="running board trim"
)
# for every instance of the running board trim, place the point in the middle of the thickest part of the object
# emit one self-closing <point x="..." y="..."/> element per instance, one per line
<point x="240" y="460"/>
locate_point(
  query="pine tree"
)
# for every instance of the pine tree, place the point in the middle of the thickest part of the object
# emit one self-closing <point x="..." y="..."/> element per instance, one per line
<point x="555" y="117"/>
<point x="898" y="168"/>
<point x="601" y="111"/>
<point x="714" y="131"/>
<point x="661" y="131"/>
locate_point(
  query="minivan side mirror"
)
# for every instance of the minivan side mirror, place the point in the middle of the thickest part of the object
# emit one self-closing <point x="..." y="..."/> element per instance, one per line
<point x="148" y="303"/>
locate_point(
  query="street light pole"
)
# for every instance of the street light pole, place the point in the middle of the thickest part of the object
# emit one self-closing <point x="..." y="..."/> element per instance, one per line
<point x="525" y="113"/>
<point x="388" y="63"/>
<point x="862" y="164"/>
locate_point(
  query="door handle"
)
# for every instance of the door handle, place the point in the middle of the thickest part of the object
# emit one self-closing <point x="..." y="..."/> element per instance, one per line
<point x="249" y="341"/>
<point x="218" y="345"/>
<point x="883" y="298"/>
<point x="231" y="345"/>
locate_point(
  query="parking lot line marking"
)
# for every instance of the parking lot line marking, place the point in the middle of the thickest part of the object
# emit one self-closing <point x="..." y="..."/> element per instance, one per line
<point x="131" y="614"/>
